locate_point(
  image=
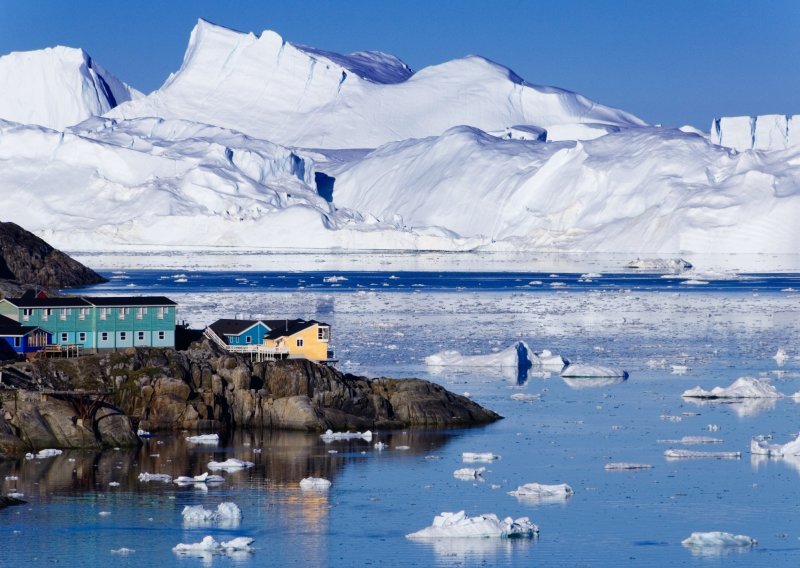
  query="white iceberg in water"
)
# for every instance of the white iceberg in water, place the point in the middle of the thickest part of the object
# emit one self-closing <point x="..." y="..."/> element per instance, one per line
<point x="469" y="473"/>
<point x="660" y="264"/>
<point x="315" y="484"/>
<point x="202" y="478"/>
<point x="231" y="464"/>
<point x="780" y="357"/>
<point x="203" y="439"/>
<point x="330" y="436"/>
<point x="743" y="387"/>
<point x="760" y="445"/>
<point x="718" y="539"/>
<point x="517" y="356"/>
<point x="145" y="477"/>
<point x="538" y="492"/>
<point x="479" y="457"/>
<point x="209" y="546"/>
<point x="622" y="466"/>
<point x="683" y="454"/>
<point x="581" y="371"/>
<point x="458" y="525"/>
<point x="48" y="453"/>
<point x="227" y="514"/>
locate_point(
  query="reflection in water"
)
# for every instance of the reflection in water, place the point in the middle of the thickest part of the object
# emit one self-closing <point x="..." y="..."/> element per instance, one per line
<point x="743" y="407"/>
<point x="591" y="383"/>
<point x="760" y="461"/>
<point x="478" y="551"/>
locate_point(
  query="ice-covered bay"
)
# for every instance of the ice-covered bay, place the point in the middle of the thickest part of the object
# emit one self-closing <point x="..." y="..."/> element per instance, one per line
<point x="569" y="434"/>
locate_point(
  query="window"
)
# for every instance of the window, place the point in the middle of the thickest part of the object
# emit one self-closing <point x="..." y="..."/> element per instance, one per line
<point x="103" y="336"/>
<point x="17" y="342"/>
<point x="123" y="312"/>
<point x="26" y="314"/>
<point x="162" y="334"/>
<point x="104" y="313"/>
<point x="65" y="312"/>
<point x="82" y="313"/>
<point x="160" y="313"/>
<point x="140" y="335"/>
<point x="64" y="337"/>
<point x="323" y="333"/>
<point x="248" y="339"/>
<point x="46" y="313"/>
<point x="82" y="337"/>
<point x="299" y="341"/>
<point x="140" y="313"/>
<point x="123" y="336"/>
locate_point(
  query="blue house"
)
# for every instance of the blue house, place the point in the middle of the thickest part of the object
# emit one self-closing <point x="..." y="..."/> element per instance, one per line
<point x="237" y="332"/>
<point x="23" y="339"/>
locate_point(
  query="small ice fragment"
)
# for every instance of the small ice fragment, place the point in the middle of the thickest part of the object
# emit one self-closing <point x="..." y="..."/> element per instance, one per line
<point x="543" y="493"/>
<point x="743" y="387"/>
<point x="113" y="484"/>
<point x="143" y="433"/>
<point x="479" y="457"/>
<point x="402" y="448"/>
<point x="227" y="514"/>
<point x="104" y="513"/>
<point x="780" y="357"/>
<point x="718" y="539"/>
<point x="679" y="369"/>
<point x="210" y="546"/>
<point x="202" y="478"/>
<point x="671" y="418"/>
<point x="315" y="484"/>
<point x="760" y="445"/>
<point x="458" y="525"/>
<point x="621" y="466"/>
<point x="122" y="551"/>
<point x="681" y="454"/>
<point x="145" y="477"/>
<point x="48" y="453"/>
<point x="330" y="436"/>
<point x="712" y="427"/>
<point x="231" y="464"/>
<point x="16" y="495"/>
<point x="525" y="397"/>
<point x="203" y="439"/>
<point x="380" y="446"/>
<point x="469" y="473"/>
<point x="691" y="440"/>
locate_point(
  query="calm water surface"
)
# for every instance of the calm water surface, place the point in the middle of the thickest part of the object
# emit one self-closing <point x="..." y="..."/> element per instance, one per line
<point x="642" y="323"/>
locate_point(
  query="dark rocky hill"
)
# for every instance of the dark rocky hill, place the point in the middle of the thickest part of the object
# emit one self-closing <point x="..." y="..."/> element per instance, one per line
<point x="26" y="260"/>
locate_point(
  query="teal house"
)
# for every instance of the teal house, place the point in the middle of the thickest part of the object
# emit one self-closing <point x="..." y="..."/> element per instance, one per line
<point x="97" y="323"/>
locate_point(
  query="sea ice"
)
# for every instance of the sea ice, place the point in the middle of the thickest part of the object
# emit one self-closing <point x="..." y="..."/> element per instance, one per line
<point x="330" y="436"/>
<point x="479" y="457"/>
<point x="760" y="445"/>
<point x="718" y="539"/>
<point x="469" y="473"/>
<point x="203" y="439"/>
<point x="48" y="453"/>
<point x="780" y="357"/>
<point x="227" y="514"/>
<point x="380" y="446"/>
<point x="210" y="546"/>
<point x="743" y="387"/>
<point x="122" y="551"/>
<point x="680" y="454"/>
<point x="621" y="466"/>
<point x="579" y="371"/>
<point x="314" y="484"/>
<point x="525" y="397"/>
<point x="537" y="492"/>
<point x="202" y="478"/>
<point x="145" y="477"/>
<point x="231" y="464"/>
<point x="458" y="525"/>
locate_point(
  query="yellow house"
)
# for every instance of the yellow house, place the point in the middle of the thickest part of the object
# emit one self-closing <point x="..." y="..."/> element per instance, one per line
<point x="299" y="339"/>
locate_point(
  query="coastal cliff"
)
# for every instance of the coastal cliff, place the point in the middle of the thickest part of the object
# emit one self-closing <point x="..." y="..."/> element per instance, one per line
<point x="205" y="388"/>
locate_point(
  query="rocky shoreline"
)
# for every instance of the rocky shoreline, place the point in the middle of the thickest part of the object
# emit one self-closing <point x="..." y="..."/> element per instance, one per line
<point x="100" y="400"/>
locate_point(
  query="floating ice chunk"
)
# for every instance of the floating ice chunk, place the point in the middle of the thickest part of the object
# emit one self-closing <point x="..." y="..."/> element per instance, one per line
<point x="796" y="396"/>
<point x="694" y="282"/>
<point x="712" y="427"/>
<point x="760" y="445"/>
<point x="660" y="264"/>
<point x="718" y="539"/>
<point x="780" y="357"/>
<point x="621" y="466"/>
<point x="681" y="454"/>
<point x="210" y="546"/>
<point x="334" y="279"/>
<point x="743" y="387"/>
<point x="227" y="514"/>
<point x="122" y="551"/>
<point x="380" y="446"/>
<point x="231" y="464"/>
<point x="479" y="457"/>
<point x="580" y="371"/>
<point x="203" y="439"/>
<point x="509" y="357"/>
<point x="402" y="448"/>
<point x="104" y="513"/>
<point x="143" y="433"/>
<point x="469" y="473"/>
<point x="691" y="440"/>
<point x="145" y="477"/>
<point x="525" y="397"/>
<point x="16" y="495"/>
<point x="202" y="478"/>
<point x="458" y="525"/>
<point x="547" y="358"/>
<point x="48" y="453"/>
<point x="314" y="484"/>
<point x="537" y="492"/>
<point x="113" y="484"/>
<point x="679" y="369"/>
<point x="330" y="436"/>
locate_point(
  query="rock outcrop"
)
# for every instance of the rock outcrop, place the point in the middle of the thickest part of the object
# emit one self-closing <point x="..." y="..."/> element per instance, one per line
<point x="28" y="260"/>
<point x="9" y="501"/>
<point x="205" y="388"/>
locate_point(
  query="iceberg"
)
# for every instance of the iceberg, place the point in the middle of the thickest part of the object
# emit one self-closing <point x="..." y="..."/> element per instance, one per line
<point x="330" y="436"/>
<point x="42" y="454"/>
<point x="314" y="484"/>
<point x="718" y="539"/>
<point x="209" y="546"/>
<point x="459" y="525"/>
<point x="227" y="514"/>
<point x="743" y="387"/>
<point x="760" y="445"/>
<point x="231" y="464"/>
<point x="146" y="477"/>
<point x="684" y="454"/>
<point x="479" y="457"/>
<point x="660" y="264"/>
<point x="469" y="473"/>
<point x="581" y="371"/>
<point x="540" y="493"/>
<point x="203" y="439"/>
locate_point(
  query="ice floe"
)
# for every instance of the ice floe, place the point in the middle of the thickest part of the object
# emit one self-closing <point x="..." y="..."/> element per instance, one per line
<point x="582" y="371"/>
<point x="780" y="357"/>
<point x="146" y="477"/>
<point x="203" y="439"/>
<point x="479" y="457"/>
<point x="743" y="387"/>
<point x="660" y="264"/>
<point x="48" y="453"/>
<point x="760" y="445"/>
<point x="231" y="464"/>
<point x="203" y="478"/>
<point x="227" y="514"/>
<point x="469" y="473"/>
<point x="314" y="484"/>
<point x="330" y="436"/>
<point x="540" y="493"/>
<point x="209" y="546"/>
<point x="693" y="440"/>
<point x="380" y="446"/>
<point x="525" y="397"/>
<point x="688" y="454"/>
<point x="718" y="539"/>
<point x="459" y="525"/>
<point x="123" y="551"/>
<point x="623" y="466"/>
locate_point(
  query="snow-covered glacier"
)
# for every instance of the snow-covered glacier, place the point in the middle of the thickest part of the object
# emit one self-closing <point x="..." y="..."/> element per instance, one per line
<point x="57" y="87"/>
<point x="764" y="132"/>
<point x="269" y="88"/>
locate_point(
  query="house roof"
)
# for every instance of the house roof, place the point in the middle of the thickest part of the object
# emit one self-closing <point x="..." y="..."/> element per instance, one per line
<point x="12" y="328"/>
<point x="285" y="328"/>
<point x="225" y="327"/>
<point x="89" y="301"/>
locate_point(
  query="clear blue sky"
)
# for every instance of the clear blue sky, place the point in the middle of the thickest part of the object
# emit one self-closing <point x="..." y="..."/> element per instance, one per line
<point x="671" y="62"/>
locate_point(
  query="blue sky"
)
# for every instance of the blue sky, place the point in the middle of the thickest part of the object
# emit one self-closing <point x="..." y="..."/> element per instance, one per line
<point x="676" y="62"/>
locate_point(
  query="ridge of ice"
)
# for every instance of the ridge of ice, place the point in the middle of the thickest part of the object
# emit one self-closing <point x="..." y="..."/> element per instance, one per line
<point x="459" y="525"/>
<point x="620" y="466"/>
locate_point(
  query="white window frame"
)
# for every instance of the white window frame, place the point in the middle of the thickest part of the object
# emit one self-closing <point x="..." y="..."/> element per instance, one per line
<point x="140" y="335"/>
<point x="299" y="342"/>
<point x="123" y="336"/>
<point x="17" y="342"/>
<point x="141" y="312"/>
<point x="82" y="313"/>
<point x="324" y="333"/>
<point x="64" y="313"/>
<point x="26" y="314"/>
<point x="103" y="313"/>
<point x="123" y="312"/>
<point x="161" y="312"/>
<point x="103" y="336"/>
<point x="64" y="337"/>
<point x="81" y="337"/>
<point x="162" y="335"/>
<point x="248" y="339"/>
<point x="46" y="313"/>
